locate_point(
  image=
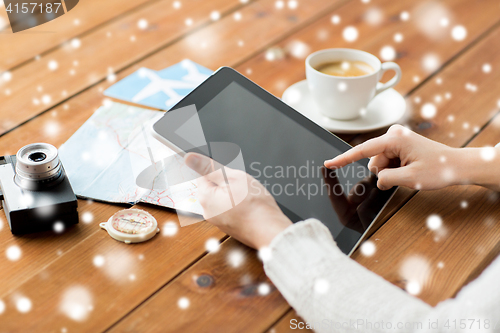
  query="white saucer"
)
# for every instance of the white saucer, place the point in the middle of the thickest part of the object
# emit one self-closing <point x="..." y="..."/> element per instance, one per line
<point x="384" y="110"/>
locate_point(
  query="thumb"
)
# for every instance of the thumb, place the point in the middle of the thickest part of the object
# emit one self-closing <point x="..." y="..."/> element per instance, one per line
<point x="391" y="177"/>
<point x="205" y="166"/>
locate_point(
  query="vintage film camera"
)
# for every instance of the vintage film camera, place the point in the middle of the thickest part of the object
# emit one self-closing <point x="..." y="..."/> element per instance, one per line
<point x="35" y="191"/>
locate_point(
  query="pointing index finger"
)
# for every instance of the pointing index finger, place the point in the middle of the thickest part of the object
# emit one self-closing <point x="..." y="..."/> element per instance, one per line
<point x="367" y="149"/>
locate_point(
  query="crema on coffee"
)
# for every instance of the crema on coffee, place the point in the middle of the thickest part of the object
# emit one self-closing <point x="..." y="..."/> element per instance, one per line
<point x="345" y="68"/>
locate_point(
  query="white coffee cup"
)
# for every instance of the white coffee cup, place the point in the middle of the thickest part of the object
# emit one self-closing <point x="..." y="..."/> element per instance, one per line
<point x="345" y="98"/>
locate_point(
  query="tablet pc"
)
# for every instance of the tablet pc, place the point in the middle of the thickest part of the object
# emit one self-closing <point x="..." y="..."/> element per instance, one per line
<point x="284" y="150"/>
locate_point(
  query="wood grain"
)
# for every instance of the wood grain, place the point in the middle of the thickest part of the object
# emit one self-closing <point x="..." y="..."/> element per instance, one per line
<point x="98" y="59"/>
<point x="245" y="298"/>
<point x="462" y="111"/>
<point x="465" y="268"/>
<point x="82" y="67"/>
<point x="410" y="52"/>
<point x="233" y="304"/>
<point x="18" y="48"/>
<point x="129" y="274"/>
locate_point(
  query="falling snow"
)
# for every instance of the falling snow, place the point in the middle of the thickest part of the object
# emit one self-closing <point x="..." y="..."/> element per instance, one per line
<point x="58" y="227"/>
<point x="350" y="34"/>
<point x="470" y="87"/>
<point x="335" y="19"/>
<point x="99" y="261"/>
<point x="398" y="37"/>
<point x="274" y="53"/>
<point x="111" y="77"/>
<point x="87" y="217"/>
<point x="388" y="53"/>
<point x="404" y="16"/>
<point x="342" y="86"/>
<point x="368" y="248"/>
<point x="183" y="303"/>
<point x="142" y="24"/>
<point x="52" y="65"/>
<point x="236" y="258"/>
<point x="464" y="204"/>
<point x="459" y="33"/>
<point x="264" y="289"/>
<point x="46" y="99"/>
<point x="428" y="111"/>
<point x="76" y="43"/>
<point x="13" y="253"/>
<point x="298" y="49"/>
<point x="434" y="222"/>
<point x="321" y="286"/>
<point x="169" y="229"/>
<point x="293" y="4"/>
<point x="486" y="68"/>
<point x="413" y="287"/>
<point x="176" y="4"/>
<point x="76" y="303"/>
<point x="23" y="304"/>
<point x="488" y="153"/>
<point x="264" y="254"/>
<point x="279" y="4"/>
<point x="416" y="270"/>
<point x="430" y="62"/>
<point x="212" y="245"/>
<point x="2" y="306"/>
<point x="374" y="16"/>
<point x="215" y="15"/>
<point x="7" y="76"/>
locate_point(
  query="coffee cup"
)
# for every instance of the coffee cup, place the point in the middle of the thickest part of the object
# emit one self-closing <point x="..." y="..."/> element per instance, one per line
<point x="351" y="83"/>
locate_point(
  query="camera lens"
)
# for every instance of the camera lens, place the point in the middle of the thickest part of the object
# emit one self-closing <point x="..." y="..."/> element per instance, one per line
<point x="37" y="166"/>
<point x="37" y="157"/>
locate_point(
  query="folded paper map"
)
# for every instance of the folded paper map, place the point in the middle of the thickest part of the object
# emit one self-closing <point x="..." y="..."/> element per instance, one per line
<point x="104" y="158"/>
<point x="114" y="158"/>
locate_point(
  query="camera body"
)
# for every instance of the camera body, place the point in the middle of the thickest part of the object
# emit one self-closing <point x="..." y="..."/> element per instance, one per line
<point x="35" y="190"/>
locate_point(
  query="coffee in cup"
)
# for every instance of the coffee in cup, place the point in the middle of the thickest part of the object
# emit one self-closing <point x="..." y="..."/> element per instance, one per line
<point x="345" y="68"/>
<point x="343" y="81"/>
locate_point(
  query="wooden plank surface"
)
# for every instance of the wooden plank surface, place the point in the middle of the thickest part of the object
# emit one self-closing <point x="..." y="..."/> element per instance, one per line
<point x="102" y="52"/>
<point x="99" y="278"/>
<point x="55" y="127"/>
<point x="410" y="52"/>
<point x="466" y="269"/>
<point x="244" y="297"/>
<point x="98" y="59"/>
<point x="293" y="30"/>
<point x="19" y="48"/>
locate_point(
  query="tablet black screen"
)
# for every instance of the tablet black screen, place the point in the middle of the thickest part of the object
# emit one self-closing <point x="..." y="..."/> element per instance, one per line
<point x="287" y="157"/>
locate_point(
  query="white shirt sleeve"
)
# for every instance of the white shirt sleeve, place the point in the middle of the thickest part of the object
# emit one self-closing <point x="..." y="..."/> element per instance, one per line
<point x="333" y="293"/>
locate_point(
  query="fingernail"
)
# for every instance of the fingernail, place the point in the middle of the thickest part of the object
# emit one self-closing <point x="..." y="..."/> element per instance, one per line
<point x="192" y="161"/>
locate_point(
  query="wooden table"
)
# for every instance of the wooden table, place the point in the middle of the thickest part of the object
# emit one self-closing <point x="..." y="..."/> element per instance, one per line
<point x="138" y="288"/>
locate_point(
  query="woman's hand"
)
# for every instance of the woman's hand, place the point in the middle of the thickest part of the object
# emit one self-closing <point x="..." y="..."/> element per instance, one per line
<point x="403" y="157"/>
<point x="240" y="207"/>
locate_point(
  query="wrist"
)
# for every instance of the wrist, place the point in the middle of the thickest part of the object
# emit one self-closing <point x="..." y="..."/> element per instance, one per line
<point x="275" y="226"/>
<point x="477" y="166"/>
